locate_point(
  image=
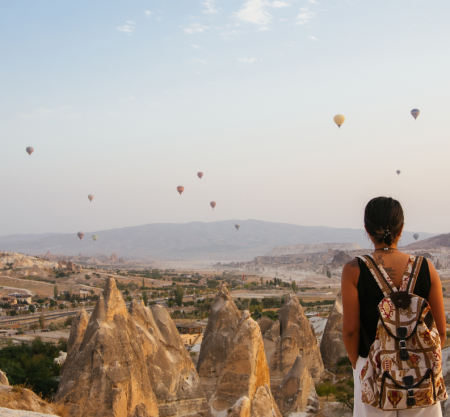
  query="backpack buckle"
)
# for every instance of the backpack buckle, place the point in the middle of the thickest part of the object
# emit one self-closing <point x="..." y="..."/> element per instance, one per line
<point x="409" y="383"/>
<point x="401" y="333"/>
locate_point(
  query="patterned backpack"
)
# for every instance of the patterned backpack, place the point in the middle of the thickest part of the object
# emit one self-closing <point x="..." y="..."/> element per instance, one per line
<point x="404" y="366"/>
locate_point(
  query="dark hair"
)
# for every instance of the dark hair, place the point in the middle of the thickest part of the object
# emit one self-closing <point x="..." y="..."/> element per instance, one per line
<point x="383" y="218"/>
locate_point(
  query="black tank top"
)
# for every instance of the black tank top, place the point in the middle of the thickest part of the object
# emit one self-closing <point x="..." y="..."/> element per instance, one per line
<point x="370" y="294"/>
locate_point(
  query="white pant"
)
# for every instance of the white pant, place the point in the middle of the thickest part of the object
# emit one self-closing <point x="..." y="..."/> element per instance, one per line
<point x="363" y="410"/>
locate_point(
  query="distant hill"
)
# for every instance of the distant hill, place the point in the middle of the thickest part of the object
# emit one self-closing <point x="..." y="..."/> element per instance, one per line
<point x="432" y="242"/>
<point x="312" y="248"/>
<point x="197" y="240"/>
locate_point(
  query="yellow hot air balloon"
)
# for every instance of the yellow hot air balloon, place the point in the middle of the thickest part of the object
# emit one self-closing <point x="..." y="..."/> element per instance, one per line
<point x="339" y="119"/>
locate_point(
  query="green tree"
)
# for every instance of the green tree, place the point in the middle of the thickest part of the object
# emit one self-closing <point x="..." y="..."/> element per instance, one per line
<point x="143" y="283"/>
<point x="262" y="281"/>
<point x="127" y="292"/>
<point x="34" y="327"/>
<point x="145" y="298"/>
<point x="55" y="291"/>
<point x="179" y="296"/>
<point x="87" y="276"/>
<point x="31" y="309"/>
<point x="42" y="321"/>
<point x="294" y="286"/>
<point x="328" y="273"/>
<point x="326" y="388"/>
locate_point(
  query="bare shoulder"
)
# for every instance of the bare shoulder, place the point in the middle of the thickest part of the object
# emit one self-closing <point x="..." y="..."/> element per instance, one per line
<point x="350" y="272"/>
<point x="434" y="276"/>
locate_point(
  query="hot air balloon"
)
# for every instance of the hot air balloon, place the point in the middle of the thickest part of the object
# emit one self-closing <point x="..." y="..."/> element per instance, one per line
<point x="94" y="237"/>
<point x="339" y="119"/>
<point x="398" y="172"/>
<point x="80" y="235"/>
<point x="415" y="236"/>
<point x="180" y="189"/>
<point x="91" y="197"/>
<point x="213" y="204"/>
<point x="30" y="150"/>
<point x="200" y="174"/>
<point x="237" y="226"/>
<point x="415" y="113"/>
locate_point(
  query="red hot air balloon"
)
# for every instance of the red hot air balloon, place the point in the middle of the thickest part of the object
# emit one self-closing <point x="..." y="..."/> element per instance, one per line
<point x="80" y="235"/>
<point x="180" y="189"/>
<point x="200" y="174"/>
<point x="213" y="204"/>
<point x="30" y="150"/>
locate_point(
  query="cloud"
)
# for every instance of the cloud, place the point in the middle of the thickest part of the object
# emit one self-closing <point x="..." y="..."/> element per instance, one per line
<point x="264" y="28"/>
<point x="128" y="28"/>
<point x="277" y="4"/>
<point x="254" y="11"/>
<point x="313" y="2"/>
<point x="247" y="60"/>
<point x="195" y="47"/>
<point x="148" y="12"/>
<point x="210" y="6"/>
<point x="195" y="28"/>
<point x="304" y="17"/>
<point x="313" y="38"/>
<point x="200" y="61"/>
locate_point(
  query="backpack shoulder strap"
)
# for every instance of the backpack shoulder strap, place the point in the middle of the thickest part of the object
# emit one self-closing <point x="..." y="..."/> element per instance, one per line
<point x="382" y="279"/>
<point x="414" y="273"/>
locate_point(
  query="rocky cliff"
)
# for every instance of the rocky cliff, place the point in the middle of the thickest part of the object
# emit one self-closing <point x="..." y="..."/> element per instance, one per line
<point x="219" y="333"/>
<point x="312" y="248"/>
<point x="332" y="345"/>
<point x="174" y="379"/>
<point x="19" y="260"/>
<point x="18" y="398"/>
<point x="243" y="388"/>
<point x="104" y="375"/>
<point x="286" y="339"/>
<point x="296" y="392"/>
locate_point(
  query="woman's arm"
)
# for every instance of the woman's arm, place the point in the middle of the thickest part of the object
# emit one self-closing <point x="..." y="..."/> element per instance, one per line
<point x="436" y="301"/>
<point x="350" y="305"/>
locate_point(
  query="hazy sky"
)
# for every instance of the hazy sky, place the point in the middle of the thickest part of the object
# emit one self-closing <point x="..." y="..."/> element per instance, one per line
<point x="129" y="99"/>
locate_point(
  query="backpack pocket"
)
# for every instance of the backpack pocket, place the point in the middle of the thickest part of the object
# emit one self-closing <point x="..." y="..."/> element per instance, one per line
<point x="412" y="388"/>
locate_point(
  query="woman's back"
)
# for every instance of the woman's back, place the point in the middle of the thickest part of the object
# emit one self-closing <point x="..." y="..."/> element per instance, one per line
<point x="370" y="294"/>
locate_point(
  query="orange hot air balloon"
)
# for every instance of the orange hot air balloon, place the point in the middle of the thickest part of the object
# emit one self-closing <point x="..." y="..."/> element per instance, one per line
<point x="91" y="197"/>
<point x="30" y="150"/>
<point x="180" y="189"/>
<point x="80" y="235"/>
<point x="200" y="174"/>
<point x="213" y="204"/>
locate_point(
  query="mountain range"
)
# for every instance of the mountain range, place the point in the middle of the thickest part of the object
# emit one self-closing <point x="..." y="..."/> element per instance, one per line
<point x="198" y="241"/>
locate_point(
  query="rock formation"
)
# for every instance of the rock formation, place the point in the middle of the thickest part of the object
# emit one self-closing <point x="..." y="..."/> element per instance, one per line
<point x="287" y="338"/>
<point x="3" y="379"/>
<point x="172" y="374"/>
<point x="219" y="333"/>
<point x="243" y="388"/>
<point x="18" y="398"/>
<point x="296" y="392"/>
<point x="340" y="259"/>
<point x="69" y="266"/>
<point x="104" y="375"/>
<point x="61" y="358"/>
<point x="332" y="346"/>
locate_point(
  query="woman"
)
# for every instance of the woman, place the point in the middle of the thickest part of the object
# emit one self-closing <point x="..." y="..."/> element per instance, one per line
<point x="383" y="221"/>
